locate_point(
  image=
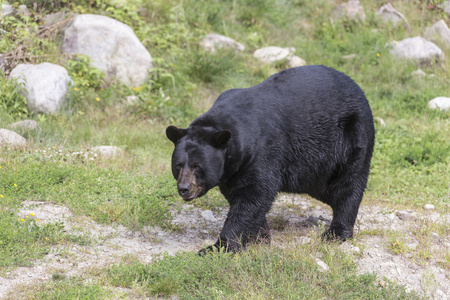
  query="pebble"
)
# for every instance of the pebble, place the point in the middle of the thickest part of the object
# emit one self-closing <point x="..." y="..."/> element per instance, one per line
<point x="428" y="206"/>
<point x="303" y="240"/>
<point x="405" y="216"/>
<point x="322" y="265"/>
<point x="208" y="215"/>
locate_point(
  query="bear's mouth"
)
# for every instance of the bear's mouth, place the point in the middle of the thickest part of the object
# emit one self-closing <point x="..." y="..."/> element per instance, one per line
<point x="188" y="198"/>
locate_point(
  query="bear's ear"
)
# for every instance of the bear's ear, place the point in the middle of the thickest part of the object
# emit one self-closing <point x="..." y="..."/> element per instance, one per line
<point x="175" y="134"/>
<point x="221" y="138"/>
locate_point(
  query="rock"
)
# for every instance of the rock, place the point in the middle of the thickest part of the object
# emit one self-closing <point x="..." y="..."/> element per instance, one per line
<point x="23" y="10"/>
<point x="323" y="267"/>
<point x="349" y="248"/>
<point x="445" y="6"/>
<point x="107" y="151"/>
<point x="439" y="32"/>
<point x="132" y="100"/>
<point x="428" y="207"/>
<point x="7" y="10"/>
<point x="50" y="19"/>
<point x="303" y="240"/>
<point x="381" y="121"/>
<point x="9" y="138"/>
<point x="418" y="49"/>
<point x="405" y="215"/>
<point x="443" y="103"/>
<point x="212" y="42"/>
<point x="272" y="54"/>
<point x="25" y="125"/>
<point x="296" y="61"/>
<point x="46" y="86"/>
<point x="419" y="73"/>
<point x="390" y="15"/>
<point x="208" y="215"/>
<point x="350" y="56"/>
<point x="351" y="10"/>
<point x="315" y="221"/>
<point x="112" y="47"/>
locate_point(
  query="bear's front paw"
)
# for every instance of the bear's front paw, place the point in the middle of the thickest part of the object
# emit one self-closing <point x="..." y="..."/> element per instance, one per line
<point x="337" y="234"/>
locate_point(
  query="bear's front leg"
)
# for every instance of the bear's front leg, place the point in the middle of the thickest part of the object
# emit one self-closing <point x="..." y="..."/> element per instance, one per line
<point x="246" y="222"/>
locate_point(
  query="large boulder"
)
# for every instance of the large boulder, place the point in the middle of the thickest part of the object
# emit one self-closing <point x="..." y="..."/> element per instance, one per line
<point x="390" y="15"/>
<point x="351" y="10"/>
<point x="211" y="42"/>
<point x="45" y="86"/>
<point x="439" y="32"/>
<point x="418" y="49"/>
<point x="9" y="138"/>
<point x="112" y="47"/>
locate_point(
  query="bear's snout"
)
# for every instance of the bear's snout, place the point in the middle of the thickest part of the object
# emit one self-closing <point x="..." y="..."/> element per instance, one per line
<point x="187" y="185"/>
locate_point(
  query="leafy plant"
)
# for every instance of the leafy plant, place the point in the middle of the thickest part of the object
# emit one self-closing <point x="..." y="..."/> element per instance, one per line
<point x="12" y="100"/>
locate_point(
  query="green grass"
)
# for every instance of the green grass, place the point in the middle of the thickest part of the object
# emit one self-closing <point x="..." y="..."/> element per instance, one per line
<point x="410" y="165"/>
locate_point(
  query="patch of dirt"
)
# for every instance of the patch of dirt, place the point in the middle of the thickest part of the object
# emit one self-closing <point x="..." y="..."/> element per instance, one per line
<point x="199" y="229"/>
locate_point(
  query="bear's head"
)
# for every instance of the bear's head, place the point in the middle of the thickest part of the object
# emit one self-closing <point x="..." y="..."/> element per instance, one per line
<point x="198" y="160"/>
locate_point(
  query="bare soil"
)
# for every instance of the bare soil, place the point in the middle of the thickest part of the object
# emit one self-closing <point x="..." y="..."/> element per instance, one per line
<point x="370" y="247"/>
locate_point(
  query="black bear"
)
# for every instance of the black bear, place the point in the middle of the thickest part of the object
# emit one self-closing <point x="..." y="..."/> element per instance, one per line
<point x="303" y="130"/>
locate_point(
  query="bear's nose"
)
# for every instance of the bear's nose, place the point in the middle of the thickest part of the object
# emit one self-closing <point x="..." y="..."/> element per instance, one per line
<point x="183" y="191"/>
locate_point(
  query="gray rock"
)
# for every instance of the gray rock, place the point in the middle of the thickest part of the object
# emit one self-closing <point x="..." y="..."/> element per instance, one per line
<point x="428" y="207"/>
<point x="439" y="32"/>
<point x="25" y="125"/>
<point x="107" y="151"/>
<point x="390" y="15"/>
<point x="323" y="267"/>
<point x="445" y="6"/>
<point x="45" y="87"/>
<point x="442" y="103"/>
<point x="405" y="215"/>
<point x="381" y="121"/>
<point x="212" y="42"/>
<point x="296" y="61"/>
<point x="272" y="54"/>
<point x="50" y="19"/>
<point x="112" y="47"/>
<point x="208" y="215"/>
<point x="23" y="10"/>
<point x="7" y="10"/>
<point x="350" y="56"/>
<point x="419" y="73"/>
<point x="303" y="240"/>
<point x="9" y="138"/>
<point x="418" y="49"/>
<point x="351" y="10"/>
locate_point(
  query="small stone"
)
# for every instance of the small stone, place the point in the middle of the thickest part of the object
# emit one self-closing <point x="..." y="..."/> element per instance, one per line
<point x="428" y="207"/>
<point x="107" y="151"/>
<point x="419" y="73"/>
<point x="212" y="42"/>
<point x="391" y="217"/>
<point x="7" y="10"/>
<point x="208" y="215"/>
<point x="405" y="216"/>
<point x="381" y="121"/>
<point x="296" y="61"/>
<point x="350" y="56"/>
<point x="303" y="240"/>
<point x="323" y="267"/>
<point x="443" y="103"/>
<point x="25" y="125"/>
<point x="23" y="10"/>
<point x="9" y="138"/>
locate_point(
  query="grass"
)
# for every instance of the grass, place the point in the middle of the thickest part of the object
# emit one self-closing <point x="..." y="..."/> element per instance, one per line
<point x="410" y="165"/>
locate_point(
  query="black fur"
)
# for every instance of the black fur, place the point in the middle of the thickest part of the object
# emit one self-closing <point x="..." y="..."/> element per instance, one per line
<point x="304" y="130"/>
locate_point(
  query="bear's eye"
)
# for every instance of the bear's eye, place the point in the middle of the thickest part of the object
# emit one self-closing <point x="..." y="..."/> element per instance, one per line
<point x="195" y="168"/>
<point x="178" y="167"/>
